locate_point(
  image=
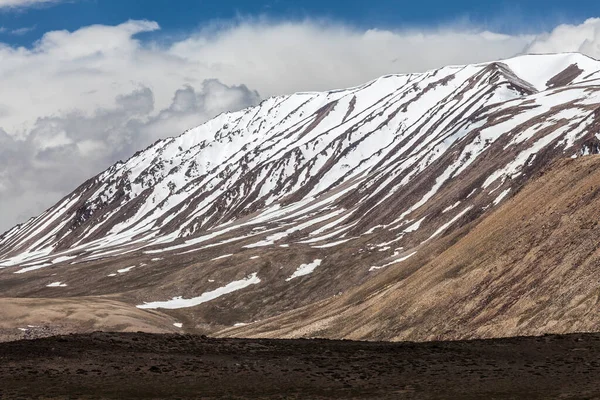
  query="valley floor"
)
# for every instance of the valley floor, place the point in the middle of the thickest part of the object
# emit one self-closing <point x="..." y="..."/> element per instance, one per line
<point x="139" y="365"/>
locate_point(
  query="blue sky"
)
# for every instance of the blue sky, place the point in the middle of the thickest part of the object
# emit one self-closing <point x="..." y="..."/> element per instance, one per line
<point x="178" y="17"/>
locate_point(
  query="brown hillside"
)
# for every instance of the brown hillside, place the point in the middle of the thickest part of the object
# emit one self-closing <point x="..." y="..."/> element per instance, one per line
<point x="39" y="317"/>
<point x="531" y="267"/>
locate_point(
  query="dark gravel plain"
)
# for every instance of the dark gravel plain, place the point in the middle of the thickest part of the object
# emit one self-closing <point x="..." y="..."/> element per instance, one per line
<point x="140" y="366"/>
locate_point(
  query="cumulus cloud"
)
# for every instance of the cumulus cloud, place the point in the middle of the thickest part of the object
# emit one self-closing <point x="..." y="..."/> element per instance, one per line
<point x="61" y="151"/>
<point x="76" y="102"/>
<point x="310" y="56"/>
<point x="584" y="38"/>
<point x="85" y="69"/>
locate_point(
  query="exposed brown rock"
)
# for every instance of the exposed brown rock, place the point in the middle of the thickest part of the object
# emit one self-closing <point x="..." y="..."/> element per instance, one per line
<point x="565" y="77"/>
<point x="531" y="267"/>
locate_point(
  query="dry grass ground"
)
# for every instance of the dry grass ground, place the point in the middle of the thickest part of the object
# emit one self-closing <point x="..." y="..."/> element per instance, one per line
<point x="32" y="318"/>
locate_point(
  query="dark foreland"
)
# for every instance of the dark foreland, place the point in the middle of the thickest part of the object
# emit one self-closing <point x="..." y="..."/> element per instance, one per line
<point x="138" y="365"/>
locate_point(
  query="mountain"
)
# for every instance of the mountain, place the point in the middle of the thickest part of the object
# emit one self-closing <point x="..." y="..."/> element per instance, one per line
<point x="529" y="268"/>
<point x="313" y="205"/>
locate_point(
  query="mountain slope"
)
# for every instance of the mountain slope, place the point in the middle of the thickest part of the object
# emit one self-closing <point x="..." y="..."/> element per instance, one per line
<point x="304" y="197"/>
<point x="531" y="267"/>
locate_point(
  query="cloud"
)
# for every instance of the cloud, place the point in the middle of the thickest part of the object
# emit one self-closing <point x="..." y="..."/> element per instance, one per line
<point x="75" y="102"/>
<point x="584" y="38"/>
<point x="22" y="31"/>
<point x="90" y="66"/>
<point x="17" y="31"/>
<point x="20" y="4"/>
<point x="62" y="151"/>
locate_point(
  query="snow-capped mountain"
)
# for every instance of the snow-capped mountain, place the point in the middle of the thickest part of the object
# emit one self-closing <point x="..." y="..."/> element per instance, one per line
<point x="340" y="184"/>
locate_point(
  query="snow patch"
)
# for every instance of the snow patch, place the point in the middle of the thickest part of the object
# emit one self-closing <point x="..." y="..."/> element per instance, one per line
<point x="414" y="227"/>
<point x="32" y="268"/>
<point x="393" y="262"/>
<point x="332" y="244"/>
<point x="180" y="302"/>
<point x="57" y="284"/>
<point x="447" y="225"/>
<point x="452" y="207"/>
<point x="304" y="269"/>
<point x="501" y="197"/>
<point x="62" y="259"/>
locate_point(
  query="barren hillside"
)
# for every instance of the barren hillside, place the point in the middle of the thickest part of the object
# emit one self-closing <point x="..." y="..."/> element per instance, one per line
<point x="529" y="268"/>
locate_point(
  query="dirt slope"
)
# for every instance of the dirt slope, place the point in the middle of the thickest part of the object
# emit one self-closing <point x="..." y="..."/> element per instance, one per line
<point x="38" y="317"/>
<point x="531" y="267"/>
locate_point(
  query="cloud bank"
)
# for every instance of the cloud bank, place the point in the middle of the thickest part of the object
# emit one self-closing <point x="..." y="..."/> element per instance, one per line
<point x="76" y="102"/>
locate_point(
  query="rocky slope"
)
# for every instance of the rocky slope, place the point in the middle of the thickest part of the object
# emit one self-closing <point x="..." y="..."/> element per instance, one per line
<point x="531" y="267"/>
<point x="321" y="200"/>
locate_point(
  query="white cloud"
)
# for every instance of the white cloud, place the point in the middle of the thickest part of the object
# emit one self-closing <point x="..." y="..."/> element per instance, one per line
<point x="60" y="152"/>
<point x="17" y="31"/>
<point x="89" y="67"/>
<point x="12" y="4"/>
<point x="22" y="31"/>
<point x="584" y="38"/>
<point x="75" y="102"/>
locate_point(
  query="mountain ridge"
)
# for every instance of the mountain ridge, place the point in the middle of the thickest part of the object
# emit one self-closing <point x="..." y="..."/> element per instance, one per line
<point x="360" y="179"/>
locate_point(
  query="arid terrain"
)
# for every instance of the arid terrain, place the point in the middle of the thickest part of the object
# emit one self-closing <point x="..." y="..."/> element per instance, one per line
<point x="115" y="366"/>
<point x="39" y="317"/>
<point x="531" y="267"/>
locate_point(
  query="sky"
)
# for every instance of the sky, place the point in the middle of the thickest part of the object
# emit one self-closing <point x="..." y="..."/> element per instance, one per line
<point x="181" y="16"/>
<point x="86" y="83"/>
